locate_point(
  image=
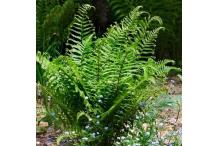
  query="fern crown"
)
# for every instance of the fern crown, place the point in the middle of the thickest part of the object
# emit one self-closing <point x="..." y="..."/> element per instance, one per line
<point x="107" y="76"/>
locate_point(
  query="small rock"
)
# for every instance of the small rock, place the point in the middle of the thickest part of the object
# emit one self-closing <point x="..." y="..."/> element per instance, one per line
<point x="172" y="120"/>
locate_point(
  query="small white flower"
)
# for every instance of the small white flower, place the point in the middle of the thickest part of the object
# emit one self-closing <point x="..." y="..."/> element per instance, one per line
<point x="154" y="142"/>
<point x="98" y="116"/>
<point x="97" y="122"/>
<point x="137" y="144"/>
<point x="105" y="128"/>
<point x="172" y="120"/>
<point x="174" y="133"/>
<point x="93" y="135"/>
<point x="122" y="137"/>
<point x="132" y="131"/>
<point x="100" y="101"/>
<point x="66" y="132"/>
<point x="169" y="104"/>
<point x="86" y="97"/>
<point x="145" y="126"/>
<point x="84" y="138"/>
<point x="172" y="81"/>
<point x="129" y="136"/>
<point x="97" y="132"/>
<point x="87" y="127"/>
<point x="137" y="139"/>
<point x="161" y="124"/>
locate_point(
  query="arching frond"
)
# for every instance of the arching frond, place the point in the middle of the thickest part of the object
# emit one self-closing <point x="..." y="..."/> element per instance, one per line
<point x="169" y="41"/>
<point x="53" y="19"/>
<point x="80" y="29"/>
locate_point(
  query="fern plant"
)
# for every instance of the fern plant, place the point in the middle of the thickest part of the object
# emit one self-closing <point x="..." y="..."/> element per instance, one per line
<point x="53" y="18"/>
<point x="169" y="41"/>
<point x="99" y="84"/>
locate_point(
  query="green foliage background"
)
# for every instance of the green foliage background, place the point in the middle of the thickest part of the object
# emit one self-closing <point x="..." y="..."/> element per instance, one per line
<point x="55" y="16"/>
<point x="169" y="43"/>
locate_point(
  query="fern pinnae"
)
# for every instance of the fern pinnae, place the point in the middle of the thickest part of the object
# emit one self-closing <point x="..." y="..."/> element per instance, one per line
<point x="120" y="73"/>
<point x="79" y="30"/>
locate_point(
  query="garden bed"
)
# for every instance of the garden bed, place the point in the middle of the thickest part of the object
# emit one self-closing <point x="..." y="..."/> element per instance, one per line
<point x="169" y="122"/>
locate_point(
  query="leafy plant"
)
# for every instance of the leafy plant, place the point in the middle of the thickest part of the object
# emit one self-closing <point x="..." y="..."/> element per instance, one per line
<point x="170" y="41"/>
<point x="145" y="130"/>
<point x="98" y="86"/>
<point x="53" y="18"/>
<point x="42" y="61"/>
<point x="79" y="30"/>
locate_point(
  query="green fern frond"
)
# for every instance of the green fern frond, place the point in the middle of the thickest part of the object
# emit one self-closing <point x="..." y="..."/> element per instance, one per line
<point x="43" y="7"/>
<point x="146" y="42"/>
<point x="169" y="10"/>
<point x="121" y="8"/>
<point x="42" y="62"/>
<point x="53" y="19"/>
<point x="82" y="113"/>
<point x="67" y="135"/>
<point x="62" y="75"/>
<point x="80" y="29"/>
